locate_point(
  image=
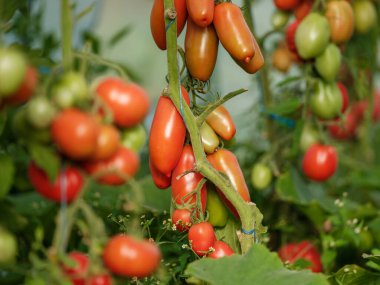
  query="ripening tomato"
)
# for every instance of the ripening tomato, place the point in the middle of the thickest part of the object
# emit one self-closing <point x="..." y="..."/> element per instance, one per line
<point x="181" y="218"/>
<point x="341" y="20"/>
<point x="201" y="12"/>
<point x="128" y="102"/>
<point x="365" y="16"/>
<point x="221" y="249"/>
<point x="201" y="238"/>
<point x="99" y="279"/>
<point x="201" y="50"/>
<point x="261" y="176"/>
<point x="286" y="5"/>
<point x="115" y="170"/>
<point x="209" y="138"/>
<point x="75" y="133"/>
<point x="157" y="20"/>
<point x="8" y="247"/>
<point x="281" y="59"/>
<point x="162" y="181"/>
<point x="279" y="19"/>
<point x="320" y="162"/>
<point x="233" y="31"/>
<point x="108" y="142"/>
<point x="77" y="271"/>
<point x="65" y="188"/>
<point x="303" y="9"/>
<point x="345" y="97"/>
<point x="304" y="250"/>
<point x="127" y="256"/>
<point x="26" y="89"/>
<point x="256" y="63"/>
<point x="290" y="36"/>
<point x="167" y="134"/>
<point x="217" y="211"/>
<point x="344" y="128"/>
<point x="184" y="186"/>
<point x="326" y="101"/>
<point x="328" y="62"/>
<point x="221" y="122"/>
<point x="361" y="106"/>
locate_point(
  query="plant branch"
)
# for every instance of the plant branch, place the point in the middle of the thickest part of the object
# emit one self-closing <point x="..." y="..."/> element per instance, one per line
<point x="67" y="32"/>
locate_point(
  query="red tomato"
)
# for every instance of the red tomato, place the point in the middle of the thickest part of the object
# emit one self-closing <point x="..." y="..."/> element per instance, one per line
<point x="256" y="63"/>
<point x="167" y="135"/>
<point x="286" y="5"/>
<point x="75" y="133"/>
<point x="77" y="273"/>
<point x="181" y="218"/>
<point x="233" y="31"/>
<point x="161" y="180"/>
<point x="100" y="279"/>
<point x="290" y="36"/>
<point x="127" y="256"/>
<point x="66" y="186"/>
<point x="225" y="161"/>
<point x="303" y="9"/>
<point x="128" y="102"/>
<point x="346" y="128"/>
<point x="221" y="122"/>
<point x="201" y="11"/>
<point x="201" y="238"/>
<point x="221" y="249"/>
<point x="157" y="20"/>
<point x="361" y="106"/>
<point x="320" y="162"/>
<point x="108" y="142"/>
<point x="201" y="50"/>
<point x="183" y="187"/>
<point x="345" y="97"/>
<point x="303" y="250"/>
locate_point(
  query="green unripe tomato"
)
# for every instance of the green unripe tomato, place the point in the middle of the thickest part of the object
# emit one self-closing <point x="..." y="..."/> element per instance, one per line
<point x="218" y="213"/>
<point x="40" y="112"/>
<point x="328" y="62"/>
<point x="279" y="19"/>
<point x="365" y="16"/>
<point x="62" y="96"/>
<point x="12" y="71"/>
<point x="326" y="101"/>
<point x="8" y="247"/>
<point x="209" y="138"/>
<point x="76" y="84"/>
<point x="134" y="138"/>
<point x="261" y="176"/>
<point x="309" y="136"/>
<point x="35" y="281"/>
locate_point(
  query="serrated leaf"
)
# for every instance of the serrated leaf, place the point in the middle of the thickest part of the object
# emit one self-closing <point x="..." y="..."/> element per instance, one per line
<point x="46" y="158"/>
<point x="7" y="172"/>
<point x="356" y="275"/>
<point x="258" y="266"/>
<point x="286" y="107"/>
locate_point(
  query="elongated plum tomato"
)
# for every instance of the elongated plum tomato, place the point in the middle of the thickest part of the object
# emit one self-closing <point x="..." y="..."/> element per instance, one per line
<point x="77" y="271"/>
<point x="226" y="162"/>
<point x="201" y="50"/>
<point x="221" y="249"/>
<point x="108" y="142"/>
<point x="26" y="89"/>
<point x="184" y="186"/>
<point x="256" y="63"/>
<point x="292" y="252"/>
<point x="8" y="247"/>
<point x="217" y="211"/>
<point x="365" y="16"/>
<point x="117" y="169"/>
<point x="344" y="128"/>
<point x="303" y="9"/>
<point x="341" y="20"/>
<point x="261" y="176"/>
<point x="286" y="5"/>
<point x="210" y="140"/>
<point x="233" y="31"/>
<point x="326" y="101"/>
<point x="128" y="102"/>
<point x="181" y="218"/>
<point x="201" y="238"/>
<point x="201" y="12"/>
<point x="161" y="180"/>
<point x="328" y="62"/>
<point x="66" y="186"/>
<point x="75" y="133"/>
<point x="320" y="162"/>
<point x="167" y="134"/>
<point x="290" y="36"/>
<point x="345" y="97"/>
<point x="127" y="256"/>
<point x="221" y="122"/>
<point x="157" y="20"/>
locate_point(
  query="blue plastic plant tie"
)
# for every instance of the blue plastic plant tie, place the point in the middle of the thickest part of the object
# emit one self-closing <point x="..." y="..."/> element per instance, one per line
<point x="280" y="119"/>
<point x="251" y="232"/>
<point x="169" y="25"/>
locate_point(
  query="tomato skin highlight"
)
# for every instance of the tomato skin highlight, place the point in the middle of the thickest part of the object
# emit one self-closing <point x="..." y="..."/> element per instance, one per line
<point x="181" y="218"/>
<point x="233" y="31"/>
<point x="77" y="274"/>
<point x="209" y="138"/>
<point x="256" y="63"/>
<point x="100" y="279"/>
<point x="221" y="249"/>
<point x="167" y="135"/>
<point x="157" y="21"/>
<point x="161" y="180"/>
<point x="108" y="142"/>
<point x="341" y="20"/>
<point x="201" y="50"/>
<point x="221" y="122"/>
<point x="200" y="11"/>
<point x="286" y="5"/>
<point x="70" y="176"/>
<point x="202" y="238"/>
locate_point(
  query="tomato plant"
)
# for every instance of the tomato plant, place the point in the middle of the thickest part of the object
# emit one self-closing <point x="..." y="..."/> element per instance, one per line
<point x="8" y="247"/>
<point x="101" y="279"/>
<point x="181" y="218"/>
<point x="201" y="11"/>
<point x="77" y="270"/>
<point x="221" y="122"/>
<point x="365" y="16"/>
<point x="201" y="238"/>
<point x="210" y="140"/>
<point x="134" y="138"/>
<point x="328" y="63"/>
<point x="221" y="249"/>
<point x="40" y="112"/>
<point x="26" y="90"/>
<point x="217" y="211"/>
<point x="108" y="142"/>
<point x="326" y="102"/>
<point x="286" y="4"/>
<point x="261" y="176"/>
<point x="341" y="20"/>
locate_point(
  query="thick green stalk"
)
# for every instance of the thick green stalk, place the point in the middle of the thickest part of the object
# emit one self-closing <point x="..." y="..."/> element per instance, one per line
<point x="66" y="32"/>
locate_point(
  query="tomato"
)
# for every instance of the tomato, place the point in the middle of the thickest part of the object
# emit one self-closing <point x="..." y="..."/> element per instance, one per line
<point x="183" y="186"/>
<point x="78" y="271"/>
<point x="221" y="122"/>
<point x="181" y="218"/>
<point x="221" y="249"/>
<point x="134" y="138"/>
<point x="365" y="16"/>
<point x="108" y="142"/>
<point x="25" y="91"/>
<point x="217" y="212"/>
<point x="233" y="31"/>
<point x="286" y="5"/>
<point x="40" y="112"/>
<point x="66" y="186"/>
<point x="279" y="19"/>
<point x="261" y="176"/>
<point x="157" y="20"/>
<point x="12" y="71"/>
<point x="341" y="20"/>
<point x="162" y="181"/>
<point x="8" y="247"/>
<point x="312" y="35"/>
<point x="128" y="102"/>
<point x="209" y="138"/>
<point x="360" y="107"/>
<point x="167" y="134"/>
<point x="117" y="169"/>
<point x="326" y="102"/>
<point x="344" y="128"/>
<point x="201" y="12"/>
<point x="75" y="133"/>
<point x="281" y="59"/>
<point x="292" y="252"/>
<point x="75" y="84"/>
<point x="303" y="9"/>
<point x="201" y="50"/>
<point x="100" y="279"/>
<point x="309" y="136"/>
<point x="201" y="238"/>
<point x="328" y="62"/>
<point x="320" y="162"/>
<point x="345" y="97"/>
<point x="256" y="63"/>
<point x="290" y="36"/>
<point x="127" y="256"/>
<point x="226" y="162"/>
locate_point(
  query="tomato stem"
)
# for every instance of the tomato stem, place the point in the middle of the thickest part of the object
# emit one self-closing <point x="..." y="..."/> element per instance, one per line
<point x="67" y="32"/>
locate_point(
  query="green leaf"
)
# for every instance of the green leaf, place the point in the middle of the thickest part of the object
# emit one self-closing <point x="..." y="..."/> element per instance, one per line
<point x="8" y="8"/>
<point x="228" y="233"/>
<point x="373" y="258"/>
<point x="3" y="120"/>
<point x="7" y="171"/>
<point x="288" y="80"/>
<point x="286" y="107"/>
<point x="258" y="266"/>
<point x="46" y="158"/>
<point x="356" y="275"/>
<point x="119" y="35"/>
